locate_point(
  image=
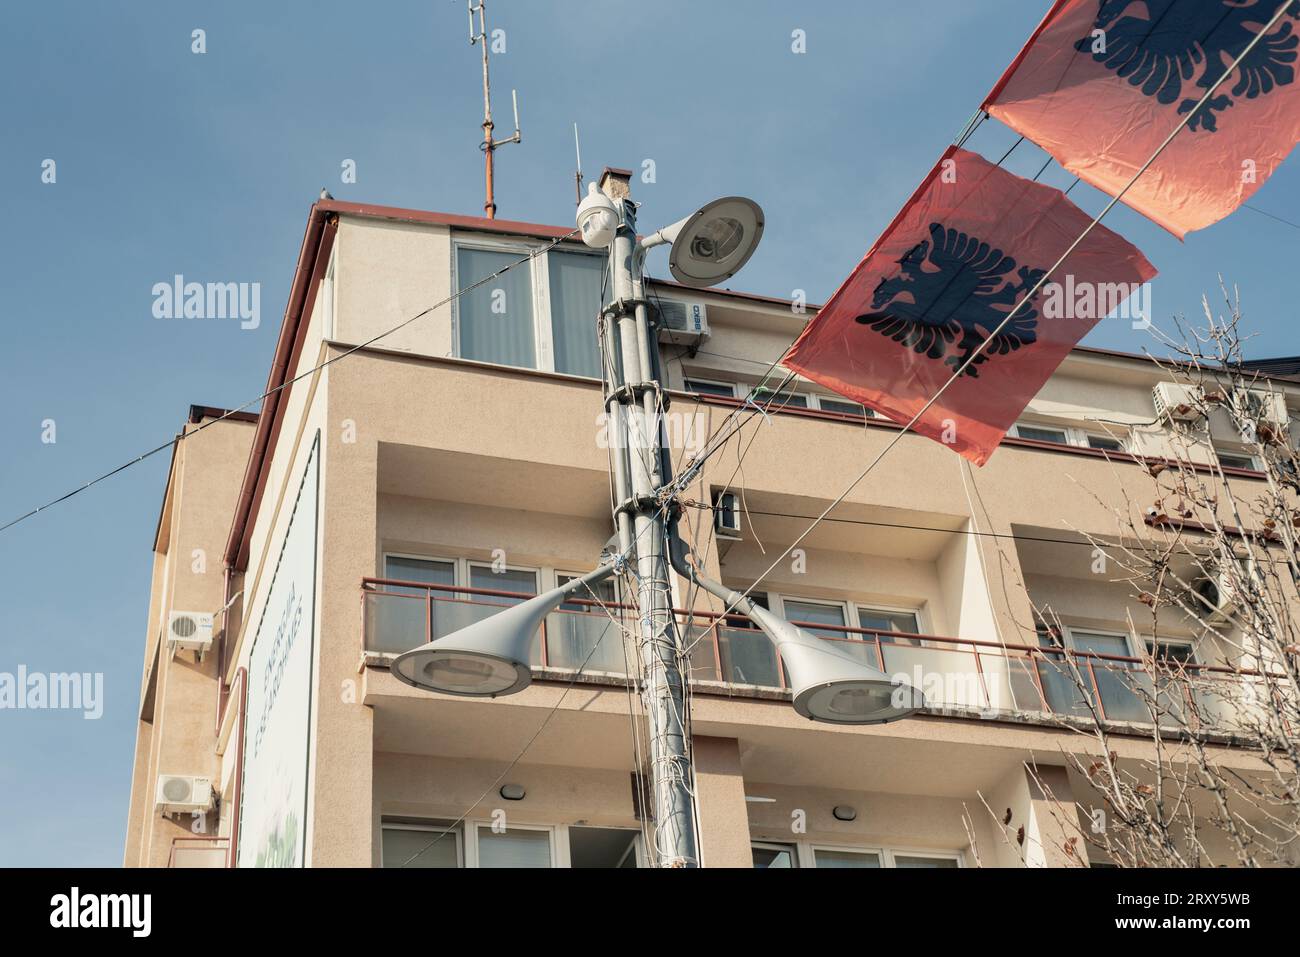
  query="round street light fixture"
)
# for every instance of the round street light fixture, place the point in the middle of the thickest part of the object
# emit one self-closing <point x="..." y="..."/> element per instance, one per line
<point x="713" y="243"/>
<point x="489" y="657"/>
<point x="831" y="685"/>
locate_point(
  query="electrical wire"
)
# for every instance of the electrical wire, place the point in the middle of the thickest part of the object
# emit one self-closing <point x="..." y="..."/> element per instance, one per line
<point x="182" y="436"/>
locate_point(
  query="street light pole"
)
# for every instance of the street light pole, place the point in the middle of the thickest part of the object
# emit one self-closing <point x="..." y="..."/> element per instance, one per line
<point x="633" y="404"/>
<point x="492" y="656"/>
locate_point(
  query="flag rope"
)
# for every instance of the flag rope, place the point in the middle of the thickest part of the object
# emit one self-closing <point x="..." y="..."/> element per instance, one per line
<point x="1281" y="11"/>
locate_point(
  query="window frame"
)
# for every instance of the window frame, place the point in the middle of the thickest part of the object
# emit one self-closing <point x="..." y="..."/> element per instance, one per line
<point x="1074" y="437"/>
<point x="863" y="849"/>
<point x="1151" y="644"/>
<point x="1219" y="452"/>
<point x="892" y="853"/>
<point x="796" y="852"/>
<point x="1071" y="643"/>
<point x="539" y="273"/>
<point x="687" y="381"/>
<point x="430" y="827"/>
<point x="559" y="855"/>
<point x="613" y="581"/>
<point x="807" y="850"/>
<point x="540" y="580"/>
<point x="637" y="847"/>
<point x="850" y="607"/>
<point x="817" y="399"/>
<point x="544" y="578"/>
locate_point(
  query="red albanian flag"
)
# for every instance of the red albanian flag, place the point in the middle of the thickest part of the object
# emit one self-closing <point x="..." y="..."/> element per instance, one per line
<point x="1102" y="83"/>
<point x="963" y="252"/>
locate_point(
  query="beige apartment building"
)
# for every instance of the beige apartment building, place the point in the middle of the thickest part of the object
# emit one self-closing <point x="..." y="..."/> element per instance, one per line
<point x="444" y="471"/>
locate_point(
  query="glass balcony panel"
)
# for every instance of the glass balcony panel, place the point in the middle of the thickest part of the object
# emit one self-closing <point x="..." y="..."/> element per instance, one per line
<point x="948" y="678"/>
<point x="1000" y="677"/>
<point x="592" y="643"/>
<point x="703" y="656"/>
<point x="394" y="623"/>
<point x="748" y="657"/>
<point x="1124" y="692"/>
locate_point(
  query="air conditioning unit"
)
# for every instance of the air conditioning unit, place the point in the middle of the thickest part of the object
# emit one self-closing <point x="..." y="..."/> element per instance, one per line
<point x="682" y="321"/>
<point x="1175" y="401"/>
<point x="189" y="631"/>
<point x="183" y="793"/>
<point x="726" y="515"/>
<point x="1269" y="407"/>
<point x="1215" y="598"/>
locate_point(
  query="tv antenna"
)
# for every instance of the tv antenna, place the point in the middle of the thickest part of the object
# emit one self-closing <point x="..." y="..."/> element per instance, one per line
<point x="577" y="174"/>
<point x="489" y="145"/>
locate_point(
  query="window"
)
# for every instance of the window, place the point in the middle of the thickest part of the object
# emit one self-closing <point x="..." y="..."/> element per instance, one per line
<point x="495" y="321"/>
<point x="540" y="314"/>
<point x="828" y="857"/>
<point x="523" y="581"/>
<point x="424" y="570"/>
<point x="514" y="847"/>
<point x="924" y="860"/>
<point x="1107" y="443"/>
<point x="1042" y="433"/>
<point x="1171" y="656"/>
<point x="1100" y="643"/>
<point x="1237" y="460"/>
<point x="1063" y="435"/>
<point x="843" y="407"/>
<point x="576" y="281"/>
<point x="883" y="620"/>
<point x="816" y="613"/>
<point x="807" y="854"/>
<point x="709" y="387"/>
<point x="782" y="400"/>
<point x="430" y="844"/>
<point x="780" y="856"/>
<point x="602" y="847"/>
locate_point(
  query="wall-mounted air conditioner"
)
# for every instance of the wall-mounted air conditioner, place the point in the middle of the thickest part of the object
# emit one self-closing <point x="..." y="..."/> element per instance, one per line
<point x="1215" y="598"/>
<point x="1269" y="407"/>
<point x="183" y="794"/>
<point x="682" y="320"/>
<point x="726" y="515"/>
<point x="1175" y="401"/>
<point x="189" y="631"/>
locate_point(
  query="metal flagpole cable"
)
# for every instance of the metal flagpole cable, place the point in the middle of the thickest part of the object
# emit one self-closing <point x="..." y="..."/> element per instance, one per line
<point x="1281" y="11"/>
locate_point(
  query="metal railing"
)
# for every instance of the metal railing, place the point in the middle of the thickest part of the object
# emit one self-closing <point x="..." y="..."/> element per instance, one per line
<point x="954" y="673"/>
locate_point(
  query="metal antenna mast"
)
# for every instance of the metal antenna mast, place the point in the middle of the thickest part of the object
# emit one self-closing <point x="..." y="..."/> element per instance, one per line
<point x="489" y="145"/>
<point x="577" y="174"/>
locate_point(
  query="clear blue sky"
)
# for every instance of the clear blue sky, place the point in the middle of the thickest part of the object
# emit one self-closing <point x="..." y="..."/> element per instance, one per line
<point x="205" y="165"/>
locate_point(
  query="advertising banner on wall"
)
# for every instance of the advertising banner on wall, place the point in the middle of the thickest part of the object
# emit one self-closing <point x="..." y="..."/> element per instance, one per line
<point x="277" y="743"/>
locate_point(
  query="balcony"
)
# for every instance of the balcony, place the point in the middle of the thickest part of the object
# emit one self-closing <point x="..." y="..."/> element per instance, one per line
<point x="957" y="675"/>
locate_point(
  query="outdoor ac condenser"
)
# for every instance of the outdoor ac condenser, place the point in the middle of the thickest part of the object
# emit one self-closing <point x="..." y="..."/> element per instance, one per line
<point x="189" y="631"/>
<point x="182" y="793"/>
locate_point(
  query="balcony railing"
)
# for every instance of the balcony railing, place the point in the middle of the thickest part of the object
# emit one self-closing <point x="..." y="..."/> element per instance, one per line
<point x="954" y="673"/>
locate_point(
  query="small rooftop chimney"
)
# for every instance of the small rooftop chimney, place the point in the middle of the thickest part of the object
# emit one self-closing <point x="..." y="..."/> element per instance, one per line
<point x="616" y="183"/>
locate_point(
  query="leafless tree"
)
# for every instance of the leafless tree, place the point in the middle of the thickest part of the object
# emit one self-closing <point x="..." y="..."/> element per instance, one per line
<point x="1216" y="553"/>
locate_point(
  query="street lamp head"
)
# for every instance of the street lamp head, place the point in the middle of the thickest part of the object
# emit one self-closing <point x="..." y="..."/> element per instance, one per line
<point x="713" y="243"/>
<point x="491" y="656"/>
<point x="597" y="218"/>
<point x="833" y="685"/>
